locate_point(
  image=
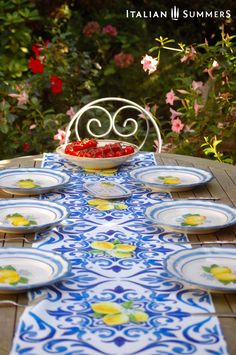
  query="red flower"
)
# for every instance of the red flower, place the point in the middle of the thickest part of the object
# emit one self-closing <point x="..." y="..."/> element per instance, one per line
<point x="56" y="84"/>
<point x="26" y="147"/>
<point x="37" y="48"/>
<point x="35" y="65"/>
<point x="123" y="60"/>
<point x="90" y="28"/>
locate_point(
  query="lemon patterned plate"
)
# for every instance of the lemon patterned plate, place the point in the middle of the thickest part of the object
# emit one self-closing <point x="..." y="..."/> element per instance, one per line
<point x="107" y="190"/>
<point x="171" y="178"/>
<point x="209" y="268"/>
<point x="25" y="268"/>
<point x="192" y="216"/>
<point x="29" y="215"/>
<point x="33" y="181"/>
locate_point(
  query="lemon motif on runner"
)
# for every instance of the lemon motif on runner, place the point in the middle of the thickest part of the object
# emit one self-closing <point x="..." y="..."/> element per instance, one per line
<point x="27" y="184"/>
<point x="104" y="205"/>
<point x="193" y="219"/>
<point x="170" y="180"/>
<point x="16" y="219"/>
<point x="222" y="273"/>
<point x="115" y="248"/>
<point x="113" y="313"/>
<point x="104" y="172"/>
<point x="9" y="275"/>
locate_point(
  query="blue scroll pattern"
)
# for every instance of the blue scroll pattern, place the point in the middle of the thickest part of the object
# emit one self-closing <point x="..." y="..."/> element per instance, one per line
<point x="154" y="310"/>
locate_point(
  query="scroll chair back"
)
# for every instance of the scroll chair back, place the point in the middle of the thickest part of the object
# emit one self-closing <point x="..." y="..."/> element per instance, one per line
<point x="107" y="108"/>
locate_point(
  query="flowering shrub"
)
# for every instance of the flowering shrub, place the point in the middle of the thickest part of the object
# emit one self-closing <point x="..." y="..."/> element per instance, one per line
<point x="32" y="111"/>
<point x="201" y="102"/>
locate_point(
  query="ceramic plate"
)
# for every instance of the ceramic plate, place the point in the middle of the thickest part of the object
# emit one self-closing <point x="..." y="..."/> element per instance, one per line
<point x="29" y="215"/>
<point x="25" y="268"/>
<point x="171" y="178"/>
<point x="98" y="163"/>
<point x="25" y="181"/>
<point x="192" y="216"/>
<point x="210" y="268"/>
<point x="107" y="190"/>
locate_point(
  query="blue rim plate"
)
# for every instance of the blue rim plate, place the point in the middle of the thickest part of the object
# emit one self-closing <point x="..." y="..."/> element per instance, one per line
<point x="29" y="215"/>
<point x="192" y="216"/>
<point x="34" y="181"/>
<point x="25" y="268"/>
<point x="107" y="190"/>
<point x="171" y="177"/>
<point x="209" y="268"/>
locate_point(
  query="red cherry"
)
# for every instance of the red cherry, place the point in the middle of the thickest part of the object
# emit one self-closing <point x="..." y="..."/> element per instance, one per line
<point x="128" y="149"/>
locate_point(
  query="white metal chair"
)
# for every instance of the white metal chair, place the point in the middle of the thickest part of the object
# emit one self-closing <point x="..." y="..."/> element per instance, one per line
<point x="124" y="104"/>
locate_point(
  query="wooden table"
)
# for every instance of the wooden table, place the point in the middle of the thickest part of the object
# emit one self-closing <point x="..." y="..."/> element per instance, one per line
<point x="223" y="186"/>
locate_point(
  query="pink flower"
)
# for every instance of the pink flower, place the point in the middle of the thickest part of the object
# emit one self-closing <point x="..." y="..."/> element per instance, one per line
<point x="149" y="64"/>
<point x="147" y="108"/>
<point x="177" y="125"/>
<point x="166" y="148"/>
<point x="110" y="30"/>
<point x="33" y="126"/>
<point x="60" y="136"/>
<point x="170" y="97"/>
<point x="197" y="86"/>
<point x="215" y="65"/>
<point x="123" y="60"/>
<point x="174" y="114"/>
<point x="188" y="129"/>
<point x="22" y="98"/>
<point x="190" y="54"/>
<point x="70" y="112"/>
<point x="197" y="107"/>
<point x="90" y="28"/>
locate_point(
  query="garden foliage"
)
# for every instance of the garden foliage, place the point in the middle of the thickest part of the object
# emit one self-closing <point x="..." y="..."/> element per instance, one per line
<point x="58" y="55"/>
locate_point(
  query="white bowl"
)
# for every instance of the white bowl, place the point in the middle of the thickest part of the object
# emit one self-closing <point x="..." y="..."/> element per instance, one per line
<point x="98" y="163"/>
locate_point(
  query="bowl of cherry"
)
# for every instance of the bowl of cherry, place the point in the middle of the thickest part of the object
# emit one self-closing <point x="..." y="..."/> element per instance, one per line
<point x="97" y="154"/>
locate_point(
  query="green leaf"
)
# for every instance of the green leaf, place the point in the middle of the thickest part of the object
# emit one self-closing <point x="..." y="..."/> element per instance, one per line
<point x="206" y="269"/>
<point x="8" y="267"/>
<point x="97" y="315"/>
<point x="23" y="280"/>
<point x="32" y="223"/>
<point x="96" y="251"/>
<point x="128" y="304"/>
<point x="132" y="318"/>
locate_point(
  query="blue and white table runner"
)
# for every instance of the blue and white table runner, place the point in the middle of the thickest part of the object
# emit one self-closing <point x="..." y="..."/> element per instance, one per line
<point x="117" y="300"/>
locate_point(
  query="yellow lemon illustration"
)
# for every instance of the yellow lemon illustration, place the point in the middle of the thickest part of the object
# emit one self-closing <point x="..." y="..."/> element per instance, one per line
<point x="120" y="206"/>
<point x="96" y="202"/>
<point x="107" y="184"/>
<point x="18" y="220"/>
<point x="225" y="277"/>
<point x="27" y="184"/>
<point x="106" y="307"/>
<point x="105" y="207"/>
<point x="105" y="172"/>
<point x="220" y="269"/>
<point x="116" y="319"/>
<point x="194" y="220"/>
<point x="125" y="247"/>
<point x="102" y="245"/>
<point x="140" y="316"/>
<point x="171" y="180"/>
<point x="119" y="254"/>
<point x="9" y="276"/>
